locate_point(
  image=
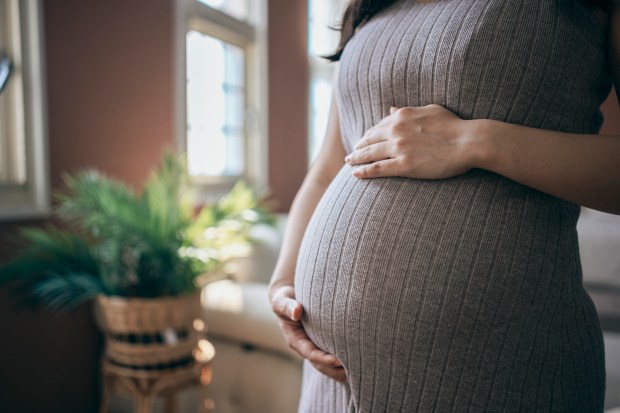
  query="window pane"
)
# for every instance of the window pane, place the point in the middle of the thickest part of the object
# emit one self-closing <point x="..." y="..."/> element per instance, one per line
<point x="234" y="74"/>
<point x="323" y="14"/>
<point x="239" y="9"/>
<point x="234" y="110"/>
<point x="320" y="99"/>
<point x="234" y="145"/>
<point x="215" y="107"/>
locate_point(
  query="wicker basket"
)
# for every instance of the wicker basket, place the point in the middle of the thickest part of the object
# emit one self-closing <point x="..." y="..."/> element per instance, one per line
<point x="149" y="334"/>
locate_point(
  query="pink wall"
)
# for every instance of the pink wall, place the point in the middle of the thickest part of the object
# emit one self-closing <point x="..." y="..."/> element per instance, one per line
<point x="288" y="99"/>
<point x="110" y="85"/>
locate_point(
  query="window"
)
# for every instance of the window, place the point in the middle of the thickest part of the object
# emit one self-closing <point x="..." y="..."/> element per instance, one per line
<point x="221" y="71"/>
<point x="24" y="184"/>
<point x="236" y="8"/>
<point x="322" y="40"/>
<point x="215" y="106"/>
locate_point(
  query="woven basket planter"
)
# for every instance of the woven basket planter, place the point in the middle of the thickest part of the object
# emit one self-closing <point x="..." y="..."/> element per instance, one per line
<point x="150" y="333"/>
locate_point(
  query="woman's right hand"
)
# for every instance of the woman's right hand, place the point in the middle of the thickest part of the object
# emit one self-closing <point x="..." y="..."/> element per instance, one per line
<point x="289" y="313"/>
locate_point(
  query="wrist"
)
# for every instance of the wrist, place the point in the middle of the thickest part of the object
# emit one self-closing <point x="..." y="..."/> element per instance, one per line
<point x="277" y="283"/>
<point x="480" y="143"/>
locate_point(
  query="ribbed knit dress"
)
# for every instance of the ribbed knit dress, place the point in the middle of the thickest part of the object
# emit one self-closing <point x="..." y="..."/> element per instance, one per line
<point x="462" y="294"/>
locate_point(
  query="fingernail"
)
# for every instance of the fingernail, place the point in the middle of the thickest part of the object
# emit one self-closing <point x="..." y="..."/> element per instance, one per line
<point x="291" y="310"/>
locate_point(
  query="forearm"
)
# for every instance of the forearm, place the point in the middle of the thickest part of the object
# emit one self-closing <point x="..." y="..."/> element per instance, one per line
<point x="300" y="213"/>
<point x="322" y="171"/>
<point x="584" y="169"/>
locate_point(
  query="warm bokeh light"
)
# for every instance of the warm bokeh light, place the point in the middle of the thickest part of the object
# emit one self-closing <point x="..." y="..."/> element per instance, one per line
<point x="199" y="325"/>
<point x="205" y="351"/>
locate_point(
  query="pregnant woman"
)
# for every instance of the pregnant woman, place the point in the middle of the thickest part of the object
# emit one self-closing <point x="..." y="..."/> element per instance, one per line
<point x="431" y="260"/>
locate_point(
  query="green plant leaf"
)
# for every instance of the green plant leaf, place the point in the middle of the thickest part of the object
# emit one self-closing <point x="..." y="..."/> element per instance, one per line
<point x="66" y="292"/>
<point x="54" y="257"/>
<point x="134" y="245"/>
<point x="48" y="251"/>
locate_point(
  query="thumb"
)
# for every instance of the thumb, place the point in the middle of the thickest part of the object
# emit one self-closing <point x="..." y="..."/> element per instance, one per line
<point x="393" y="109"/>
<point x="289" y="308"/>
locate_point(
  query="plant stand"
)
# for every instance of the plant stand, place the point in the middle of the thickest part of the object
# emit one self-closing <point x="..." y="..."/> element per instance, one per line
<point x="145" y="386"/>
<point x="154" y="347"/>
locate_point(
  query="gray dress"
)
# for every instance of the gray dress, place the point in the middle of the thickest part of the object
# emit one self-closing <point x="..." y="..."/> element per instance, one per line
<point x="462" y="294"/>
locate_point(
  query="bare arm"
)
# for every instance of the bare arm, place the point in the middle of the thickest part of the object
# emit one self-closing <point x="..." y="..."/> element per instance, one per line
<point x="329" y="161"/>
<point x="322" y="171"/>
<point x="431" y="142"/>
<point x="281" y="289"/>
<point x="584" y="169"/>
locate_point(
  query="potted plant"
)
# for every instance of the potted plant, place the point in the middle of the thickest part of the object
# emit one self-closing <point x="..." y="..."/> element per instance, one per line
<point x="142" y="258"/>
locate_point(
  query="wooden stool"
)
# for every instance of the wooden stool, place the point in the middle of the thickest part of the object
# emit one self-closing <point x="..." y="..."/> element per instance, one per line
<point x="144" y="386"/>
<point x="154" y="347"/>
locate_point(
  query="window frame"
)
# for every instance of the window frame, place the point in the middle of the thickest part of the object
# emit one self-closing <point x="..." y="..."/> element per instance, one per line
<point x="326" y="71"/>
<point x="31" y="198"/>
<point x="192" y="15"/>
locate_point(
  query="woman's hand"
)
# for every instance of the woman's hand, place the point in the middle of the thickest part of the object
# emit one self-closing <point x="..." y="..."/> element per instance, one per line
<point x="428" y="142"/>
<point x="289" y="314"/>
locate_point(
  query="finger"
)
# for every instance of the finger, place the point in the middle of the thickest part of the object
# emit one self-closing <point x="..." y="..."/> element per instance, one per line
<point x="371" y="153"/>
<point x="299" y="341"/>
<point x="336" y="373"/>
<point x="375" y="135"/>
<point x="287" y="307"/>
<point x="388" y="167"/>
<point x="308" y="350"/>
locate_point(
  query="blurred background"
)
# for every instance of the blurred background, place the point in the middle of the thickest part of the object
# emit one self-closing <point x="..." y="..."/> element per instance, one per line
<point x="239" y="86"/>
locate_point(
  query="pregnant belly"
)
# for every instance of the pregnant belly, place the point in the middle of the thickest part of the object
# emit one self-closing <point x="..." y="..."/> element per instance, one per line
<point x="390" y="266"/>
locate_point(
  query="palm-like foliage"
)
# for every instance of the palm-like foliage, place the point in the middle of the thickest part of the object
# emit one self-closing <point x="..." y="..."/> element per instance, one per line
<point x="126" y="244"/>
<point x="51" y="257"/>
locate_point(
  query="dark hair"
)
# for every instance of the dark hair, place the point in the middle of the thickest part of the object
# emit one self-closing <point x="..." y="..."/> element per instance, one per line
<point x="358" y="11"/>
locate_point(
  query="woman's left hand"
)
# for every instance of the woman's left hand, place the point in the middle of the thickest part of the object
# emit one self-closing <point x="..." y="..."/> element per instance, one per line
<point x="427" y="142"/>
